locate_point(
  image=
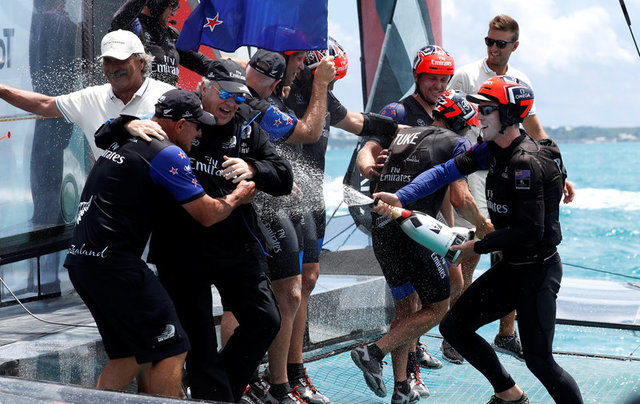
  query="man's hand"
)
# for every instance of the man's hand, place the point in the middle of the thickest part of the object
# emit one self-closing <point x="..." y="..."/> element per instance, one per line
<point x="485" y="229"/>
<point x="236" y="169"/>
<point x="143" y="127"/>
<point x="568" y="192"/>
<point x="245" y="191"/>
<point x="326" y="70"/>
<point x="467" y="251"/>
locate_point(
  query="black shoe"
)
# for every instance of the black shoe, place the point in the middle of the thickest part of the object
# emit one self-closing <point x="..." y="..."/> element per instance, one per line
<point x="449" y="353"/>
<point x="495" y="400"/>
<point x="509" y="345"/>
<point x="371" y="369"/>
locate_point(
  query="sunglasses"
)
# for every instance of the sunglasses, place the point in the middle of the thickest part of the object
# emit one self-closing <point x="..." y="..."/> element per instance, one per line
<point x="198" y="124"/>
<point x="225" y="95"/>
<point x="487" y="109"/>
<point x="499" y="43"/>
<point x="175" y="5"/>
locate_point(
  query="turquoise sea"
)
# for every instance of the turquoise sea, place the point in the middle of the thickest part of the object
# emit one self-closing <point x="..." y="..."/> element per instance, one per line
<point x="601" y="233"/>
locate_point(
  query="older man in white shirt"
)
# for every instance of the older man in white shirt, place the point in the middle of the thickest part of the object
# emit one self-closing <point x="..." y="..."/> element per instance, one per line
<point x="128" y="91"/>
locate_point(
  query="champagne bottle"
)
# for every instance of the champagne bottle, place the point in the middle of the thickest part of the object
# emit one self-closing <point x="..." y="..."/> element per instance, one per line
<point x="429" y="232"/>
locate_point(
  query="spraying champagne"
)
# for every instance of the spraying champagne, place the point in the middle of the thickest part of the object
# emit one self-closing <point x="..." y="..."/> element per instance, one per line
<point x="429" y="232"/>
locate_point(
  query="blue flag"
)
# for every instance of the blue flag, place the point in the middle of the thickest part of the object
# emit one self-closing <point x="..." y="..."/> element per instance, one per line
<point x="275" y="25"/>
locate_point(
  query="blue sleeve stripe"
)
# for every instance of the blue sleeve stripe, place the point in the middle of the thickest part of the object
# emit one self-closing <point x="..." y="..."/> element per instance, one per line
<point x="171" y="169"/>
<point x="428" y="182"/>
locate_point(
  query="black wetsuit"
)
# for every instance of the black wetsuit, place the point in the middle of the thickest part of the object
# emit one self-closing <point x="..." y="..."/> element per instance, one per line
<point x="229" y="255"/>
<point x="524" y="189"/>
<point x="160" y="42"/>
<point x="405" y="264"/>
<point x="314" y="154"/>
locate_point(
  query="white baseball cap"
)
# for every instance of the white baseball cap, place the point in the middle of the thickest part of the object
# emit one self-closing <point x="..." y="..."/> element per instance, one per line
<point x="120" y="45"/>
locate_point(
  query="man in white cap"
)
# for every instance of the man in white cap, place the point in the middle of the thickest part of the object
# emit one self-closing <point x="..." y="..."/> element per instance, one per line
<point x="129" y="91"/>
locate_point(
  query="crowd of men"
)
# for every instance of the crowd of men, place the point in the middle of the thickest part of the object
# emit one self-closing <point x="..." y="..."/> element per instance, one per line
<point x="227" y="183"/>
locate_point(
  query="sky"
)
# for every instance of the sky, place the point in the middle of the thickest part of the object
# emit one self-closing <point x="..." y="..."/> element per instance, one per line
<point x="579" y="54"/>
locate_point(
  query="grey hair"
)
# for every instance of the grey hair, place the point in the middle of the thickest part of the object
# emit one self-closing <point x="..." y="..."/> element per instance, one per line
<point x="205" y="82"/>
<point x="148" y="59"/>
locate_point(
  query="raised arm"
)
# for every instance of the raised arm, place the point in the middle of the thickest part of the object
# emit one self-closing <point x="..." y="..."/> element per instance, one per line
<point x="30" y="101"/>
<point x="309" y="128"/>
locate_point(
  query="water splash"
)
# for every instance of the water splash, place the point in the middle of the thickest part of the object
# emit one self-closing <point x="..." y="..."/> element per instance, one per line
<point x="354" y="198"/>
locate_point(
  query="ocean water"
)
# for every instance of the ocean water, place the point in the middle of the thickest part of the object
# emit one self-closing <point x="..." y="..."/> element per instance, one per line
<point x="601" y="227"/>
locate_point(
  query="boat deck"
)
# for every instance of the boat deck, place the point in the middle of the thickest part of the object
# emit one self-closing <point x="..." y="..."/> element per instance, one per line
<point x="344" y="311"/>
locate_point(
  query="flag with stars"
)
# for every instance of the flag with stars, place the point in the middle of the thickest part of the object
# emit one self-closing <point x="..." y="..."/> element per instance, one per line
<point x="276" y="25"/>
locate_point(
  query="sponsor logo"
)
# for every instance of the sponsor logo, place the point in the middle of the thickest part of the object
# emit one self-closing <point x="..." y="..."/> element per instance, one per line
<point x="113" y="156"/>
<point x="442" y="271"/>
<point x="168" y="333"/>
<point x="237" y="75"/>
<point x="498" y="208"/>
<point x="83" y="208"/>
<point x="406" y="138"/>
<point x="5" y="47"/>
<point x="82" y="250"/>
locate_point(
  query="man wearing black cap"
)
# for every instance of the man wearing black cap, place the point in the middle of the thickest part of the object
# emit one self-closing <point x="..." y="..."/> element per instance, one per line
<point x="230" y="254"/>
<point x="282" y="216"/>
<point x="136" y="318"/>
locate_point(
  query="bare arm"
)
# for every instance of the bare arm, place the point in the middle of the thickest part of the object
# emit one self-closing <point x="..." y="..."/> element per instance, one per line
<point x="533" y="127"/>
<point x="30" y="101"/>
<point x="367" y="160"/>
<point x="352" y="122"/>
<point x="309" y="128"/>
<point x="464" y="204"/>
<point x="208" y="211"/>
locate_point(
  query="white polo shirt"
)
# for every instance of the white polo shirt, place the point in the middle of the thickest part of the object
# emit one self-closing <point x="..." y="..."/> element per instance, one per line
<point x="470" y="77"/>
<point x="89" y="108"/>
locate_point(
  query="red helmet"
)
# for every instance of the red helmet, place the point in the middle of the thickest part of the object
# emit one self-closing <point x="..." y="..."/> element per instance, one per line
<point x="514" y="96"/>
<point x="433" y="59"/>
<point x="453" y="107"/>
<point x="341" y="60"/>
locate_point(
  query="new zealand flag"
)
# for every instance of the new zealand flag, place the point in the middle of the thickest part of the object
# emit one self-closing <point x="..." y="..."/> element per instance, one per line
<point x="276" y="25"/>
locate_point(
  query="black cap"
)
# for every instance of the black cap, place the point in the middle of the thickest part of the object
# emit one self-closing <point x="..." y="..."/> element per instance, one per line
<point x="177" y="104"/>
<point x="229" y="75"/>
<point x="271" y="64"/>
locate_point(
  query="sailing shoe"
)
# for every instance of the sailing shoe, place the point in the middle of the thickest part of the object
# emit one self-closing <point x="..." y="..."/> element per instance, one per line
<point x="509" y="345"/>
<point x="402" y="398"/>
<point x="425" y="359"/>
<point x="449" y="353"/>
<point x="371" y="369"/>
<point x="417" y="384"/>
<point x="308" y="391"/>
<point x="249" y="397"/>
<point x="495" y="400"/>
<point x="255" y="393"/>
<point x="291" y="397"/>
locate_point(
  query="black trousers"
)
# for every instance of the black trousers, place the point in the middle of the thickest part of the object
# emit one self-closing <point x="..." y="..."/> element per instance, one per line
<point x="246" y="291"/>
<point x="530" y="289"/>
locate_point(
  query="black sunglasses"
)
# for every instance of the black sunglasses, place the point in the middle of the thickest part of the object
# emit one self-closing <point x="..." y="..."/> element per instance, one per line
<point x="487" y="109"/>
<point x="197" y="123"/>
<point x="499" y="43"/>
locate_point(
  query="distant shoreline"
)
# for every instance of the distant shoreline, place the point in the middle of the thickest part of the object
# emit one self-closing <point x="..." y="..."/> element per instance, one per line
<point x="340" y="139"/>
